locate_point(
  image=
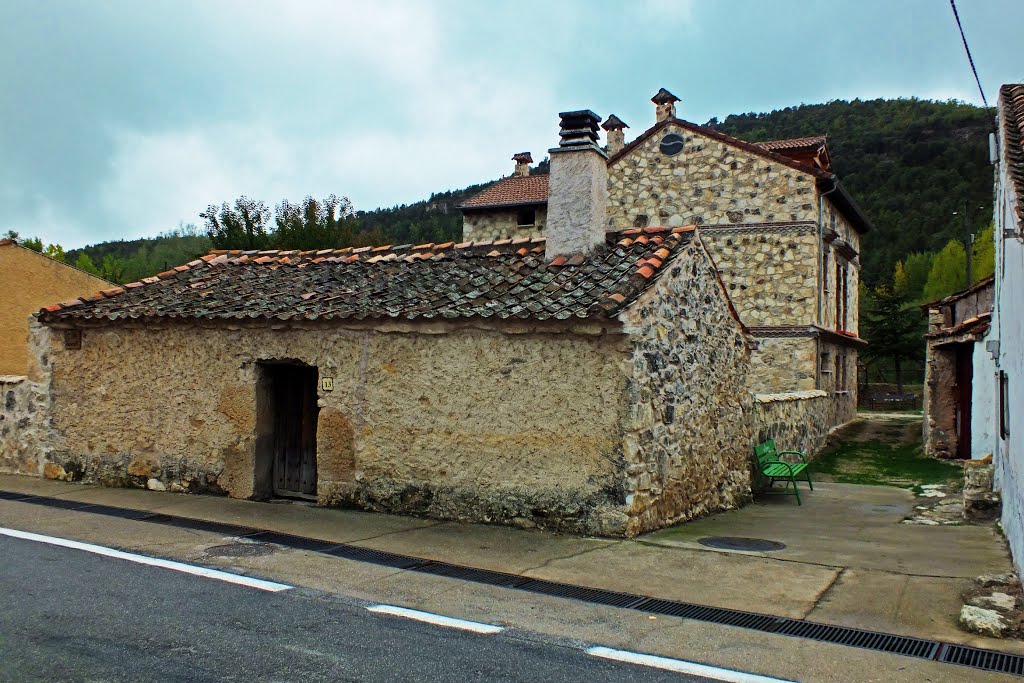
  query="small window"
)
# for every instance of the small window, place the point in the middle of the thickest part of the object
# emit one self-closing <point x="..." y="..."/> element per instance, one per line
<point x="1004" y="405"/>
<point x="527" y="217"/>
<point x="640" y="221"/>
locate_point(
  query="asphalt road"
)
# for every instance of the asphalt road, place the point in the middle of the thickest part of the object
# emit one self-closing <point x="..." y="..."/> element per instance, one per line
<point x="68" y="615"/>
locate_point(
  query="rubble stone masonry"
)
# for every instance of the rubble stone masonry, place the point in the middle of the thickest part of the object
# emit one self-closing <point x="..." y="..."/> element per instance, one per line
<point x="501" y="224"/>
<point x="708" y="183"/>
<point x="688" y="439"/>
<point x="517" y="426"/>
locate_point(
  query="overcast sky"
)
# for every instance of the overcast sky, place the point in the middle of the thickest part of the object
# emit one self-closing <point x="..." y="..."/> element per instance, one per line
<point x="123" y="119"/>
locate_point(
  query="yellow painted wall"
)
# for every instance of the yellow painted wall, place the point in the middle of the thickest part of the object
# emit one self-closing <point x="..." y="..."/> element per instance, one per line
<point x="29" y="281"/>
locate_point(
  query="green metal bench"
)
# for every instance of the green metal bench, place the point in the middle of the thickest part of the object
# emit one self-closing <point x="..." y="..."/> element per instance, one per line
<point x="775" y="468"/>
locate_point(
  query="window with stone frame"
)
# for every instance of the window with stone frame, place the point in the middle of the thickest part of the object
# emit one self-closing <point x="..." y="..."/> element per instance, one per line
<point x="826" y="369"/>
<point x="526" y="217"/>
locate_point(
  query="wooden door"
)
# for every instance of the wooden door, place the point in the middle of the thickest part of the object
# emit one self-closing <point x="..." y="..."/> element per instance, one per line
<point x="964" y="381"/>
<point x="295" y="416"/>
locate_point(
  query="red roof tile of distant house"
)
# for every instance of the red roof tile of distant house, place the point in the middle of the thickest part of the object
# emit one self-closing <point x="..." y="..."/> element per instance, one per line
<point x="811" y="141"/>
<point x="514" y="191"/>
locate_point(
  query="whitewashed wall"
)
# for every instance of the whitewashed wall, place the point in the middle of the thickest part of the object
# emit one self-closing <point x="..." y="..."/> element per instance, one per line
<point x="1008" y="328"/>
<point x="984" y="401"/>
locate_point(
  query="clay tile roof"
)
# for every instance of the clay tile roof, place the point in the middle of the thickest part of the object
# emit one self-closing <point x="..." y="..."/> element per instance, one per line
<point x="514" y="191"/>
<point x="1011" y="111"/>
<point x="490" y="279"/>
<point x="790" y="144"/>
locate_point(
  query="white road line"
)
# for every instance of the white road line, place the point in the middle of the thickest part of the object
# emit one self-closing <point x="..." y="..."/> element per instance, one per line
<point x="151" y="561"/>
<point x="681" y="666"/>
<point x="436" y="619"/>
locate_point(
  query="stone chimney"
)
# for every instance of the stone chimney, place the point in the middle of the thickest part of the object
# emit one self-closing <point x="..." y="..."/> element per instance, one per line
<point x="523" y="161"/>
<point x="577" y="188"/>
<point x="616" y="136"/>
<point x="664" y="105"/>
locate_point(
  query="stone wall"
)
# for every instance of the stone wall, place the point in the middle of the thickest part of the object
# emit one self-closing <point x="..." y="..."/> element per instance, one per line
<point x="22" y="417"/>
<point x="519" y="425"/>
<point x="24" y="410"/>
<point x="939" y="404"/>
<point x="781" y="364"/>
<point x="708" y="183"/>
<point x="498" y="224"/>
<point x="798" y="420"/>
<point x="770" y="271"/>
<point x="688" y="431"/>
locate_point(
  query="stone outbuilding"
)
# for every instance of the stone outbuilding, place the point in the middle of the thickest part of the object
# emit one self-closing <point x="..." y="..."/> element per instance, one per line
<point x="586" y="380"/>
<point x="782" y="229"/>
<point x="956" y="353"/>
<point x="29" y="281"/>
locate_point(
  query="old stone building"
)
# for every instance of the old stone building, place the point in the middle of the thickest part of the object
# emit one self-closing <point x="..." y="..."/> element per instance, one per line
<point x="782" y="230"/>
<point x="957" y="325"/>
<point x="29" y="281"/>
<point x="587" y="380"/>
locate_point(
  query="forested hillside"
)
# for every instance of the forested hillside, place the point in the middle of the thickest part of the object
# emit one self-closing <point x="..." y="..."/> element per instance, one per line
<point x="909" y="163"/>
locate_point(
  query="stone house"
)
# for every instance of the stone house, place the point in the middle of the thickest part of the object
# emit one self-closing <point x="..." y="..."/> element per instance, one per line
<point x="956" y="352"/>
<point x="1006" y="336"/>
<point x="782" y="229"/>
<point x="30" y="280"/>
<point x="586" y="380"/>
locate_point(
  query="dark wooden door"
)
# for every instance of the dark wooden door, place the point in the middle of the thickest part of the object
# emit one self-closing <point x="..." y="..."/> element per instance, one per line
<point x="295" y="416"/>
<point x="964" y="380"/>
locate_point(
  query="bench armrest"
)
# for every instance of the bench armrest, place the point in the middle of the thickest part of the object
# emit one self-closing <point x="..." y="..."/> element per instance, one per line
<point x="803" y="458"/>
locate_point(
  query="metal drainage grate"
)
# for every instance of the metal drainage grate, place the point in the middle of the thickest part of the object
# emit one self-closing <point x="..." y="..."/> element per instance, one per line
<point x="123" y="513"/>
<point x="202" y="525"/>
<point x="240" y="550"/>
<point x="982" y="659"/>
<point x="753" y="545"/>
<point x="853" y="637"/>
<point x="717" y="615"/>
<point x="351" y="552"/>
<point x="595" y="595"/>
<point x="487" y="576"/>
<point x="22" y="497"/>
<point x="293" y="542"/>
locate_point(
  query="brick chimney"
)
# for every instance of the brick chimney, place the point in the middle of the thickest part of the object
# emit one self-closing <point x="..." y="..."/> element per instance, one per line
<point x="616" y="136"/>
<point x="664" y="105"/>
<point x="577" y="188"/>
<point x="523" y="161"/>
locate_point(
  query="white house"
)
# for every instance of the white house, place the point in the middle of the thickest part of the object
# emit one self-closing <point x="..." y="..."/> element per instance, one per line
<point x="1006" y="336"/>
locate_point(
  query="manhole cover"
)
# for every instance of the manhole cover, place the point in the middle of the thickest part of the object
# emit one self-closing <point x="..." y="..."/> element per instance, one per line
<point x="240" y="550"/>
<point x="758" y="545"/>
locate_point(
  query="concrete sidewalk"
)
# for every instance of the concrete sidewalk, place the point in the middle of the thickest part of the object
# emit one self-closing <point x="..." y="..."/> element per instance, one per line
<point x="848" y="560"/>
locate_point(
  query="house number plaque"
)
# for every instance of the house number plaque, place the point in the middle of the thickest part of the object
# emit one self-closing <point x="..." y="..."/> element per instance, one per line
<point x="327" y="384"/>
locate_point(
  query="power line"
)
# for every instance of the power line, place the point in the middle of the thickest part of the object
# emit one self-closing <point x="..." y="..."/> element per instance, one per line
<point x="952" y="3"/>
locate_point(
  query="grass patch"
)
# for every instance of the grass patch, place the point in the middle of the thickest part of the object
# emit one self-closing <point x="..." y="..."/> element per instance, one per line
<point x="881" y="464"/>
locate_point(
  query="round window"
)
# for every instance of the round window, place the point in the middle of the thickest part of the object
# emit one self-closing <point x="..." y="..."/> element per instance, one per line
<point x="671" y="144"/>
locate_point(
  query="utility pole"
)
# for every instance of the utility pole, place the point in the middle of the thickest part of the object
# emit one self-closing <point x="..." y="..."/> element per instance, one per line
<point x="968" y="243"/>
<point x="968" y="240"/>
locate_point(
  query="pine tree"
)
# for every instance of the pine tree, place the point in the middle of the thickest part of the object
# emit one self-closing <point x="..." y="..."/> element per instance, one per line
<point x="894" y="328"/>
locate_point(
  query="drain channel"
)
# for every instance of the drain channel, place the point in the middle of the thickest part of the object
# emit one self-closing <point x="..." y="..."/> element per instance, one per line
<point x="988" y="660"/>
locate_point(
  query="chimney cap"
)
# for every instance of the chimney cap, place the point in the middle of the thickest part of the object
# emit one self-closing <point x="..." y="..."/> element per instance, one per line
<point x="613" y="122"/>
<point x="579" y="128"/>
<point x="664" y="97"/>
<point x="523" y="158"/>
